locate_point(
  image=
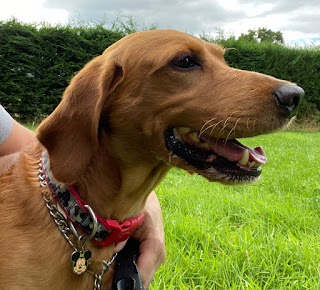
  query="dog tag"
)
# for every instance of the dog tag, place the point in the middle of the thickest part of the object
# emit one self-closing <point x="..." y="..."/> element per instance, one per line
<point x="80" y="261"/>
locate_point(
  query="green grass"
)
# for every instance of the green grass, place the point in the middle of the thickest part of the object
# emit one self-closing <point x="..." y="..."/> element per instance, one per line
<point x="31" y="126"/>
<point x="260" y="236"/>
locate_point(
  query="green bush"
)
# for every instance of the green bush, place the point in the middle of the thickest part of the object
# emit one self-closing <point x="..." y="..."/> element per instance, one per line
<point x="300" y="66"/>
<point x="37" y="63"/>
<point x="20" y="73"/>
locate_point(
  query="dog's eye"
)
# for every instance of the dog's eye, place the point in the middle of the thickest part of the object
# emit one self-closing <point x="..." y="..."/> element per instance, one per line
<point x="185" y="62"/>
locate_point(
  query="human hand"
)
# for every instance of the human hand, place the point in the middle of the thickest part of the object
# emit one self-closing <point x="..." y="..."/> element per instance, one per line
<point x="151" y="238"/>
<point x="150" y="235"/>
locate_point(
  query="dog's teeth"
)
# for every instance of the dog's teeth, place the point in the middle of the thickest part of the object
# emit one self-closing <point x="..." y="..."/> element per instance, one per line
<point x="176" y="134"/>
<point x="211" y="158"/>
<point x="257" y="165"/>
<point x="245" y="158"/>
<point x="184" y="130"/>
<point x="252" y="164"/>
<point x="204" y="145"/>
<point x="194" y="136"/>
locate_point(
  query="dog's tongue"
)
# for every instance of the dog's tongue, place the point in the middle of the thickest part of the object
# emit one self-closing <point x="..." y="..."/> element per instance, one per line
<point x="234" y="150"/>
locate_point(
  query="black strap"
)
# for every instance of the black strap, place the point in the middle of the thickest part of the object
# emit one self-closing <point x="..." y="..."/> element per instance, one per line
<point x="127" y="276"/>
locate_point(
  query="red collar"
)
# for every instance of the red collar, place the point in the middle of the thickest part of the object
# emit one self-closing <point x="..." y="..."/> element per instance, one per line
<point x="108" y="231"/>
<point x="116" y="232"/>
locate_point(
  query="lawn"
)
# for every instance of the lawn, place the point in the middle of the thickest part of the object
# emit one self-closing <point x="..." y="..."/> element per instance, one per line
<point x="265" y="235"/>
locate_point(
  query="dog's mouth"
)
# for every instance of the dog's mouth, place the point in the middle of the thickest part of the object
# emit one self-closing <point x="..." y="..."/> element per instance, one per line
<point x="216" y="159"/>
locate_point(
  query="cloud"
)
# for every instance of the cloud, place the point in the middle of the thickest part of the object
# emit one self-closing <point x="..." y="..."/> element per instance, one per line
<point x="294" y="18"/>
<point x="190" y="16"/>
<point x="305" y="19"/>
<point x="32" y="12"/>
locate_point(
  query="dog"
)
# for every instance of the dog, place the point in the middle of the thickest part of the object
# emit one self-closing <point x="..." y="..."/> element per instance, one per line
<point x="152" y="101"/>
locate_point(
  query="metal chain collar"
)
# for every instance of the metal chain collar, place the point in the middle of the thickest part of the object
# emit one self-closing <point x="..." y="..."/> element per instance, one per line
<point x="105" y="268"/>
<point x="68" y="230"/>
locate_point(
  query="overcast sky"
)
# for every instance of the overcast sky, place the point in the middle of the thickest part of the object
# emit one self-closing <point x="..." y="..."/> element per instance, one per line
<point x="296" y="19"/>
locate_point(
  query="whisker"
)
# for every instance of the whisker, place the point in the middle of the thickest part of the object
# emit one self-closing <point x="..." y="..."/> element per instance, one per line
<point x="212" y="127"/>
<point x="226" y="122"/>
<point x="254" y="124"/>
<point x="224" y="125"/>
<point x="204" y="125"/>
<point x="248" y="124"/>
<point x="233" y="129"/>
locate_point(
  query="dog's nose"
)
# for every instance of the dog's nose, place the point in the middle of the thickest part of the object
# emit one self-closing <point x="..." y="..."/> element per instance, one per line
<point x="289" y="98"/>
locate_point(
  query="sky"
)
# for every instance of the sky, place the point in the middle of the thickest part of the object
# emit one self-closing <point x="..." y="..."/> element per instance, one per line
<point x="298" y="20"/>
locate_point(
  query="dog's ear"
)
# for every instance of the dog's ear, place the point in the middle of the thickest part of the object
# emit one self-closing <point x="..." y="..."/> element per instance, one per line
<point x="70" y="133"/>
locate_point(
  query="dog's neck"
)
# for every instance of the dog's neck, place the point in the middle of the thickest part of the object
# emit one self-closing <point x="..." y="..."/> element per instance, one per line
<point x="104" y="231"/>
<point x="119" y="191"/>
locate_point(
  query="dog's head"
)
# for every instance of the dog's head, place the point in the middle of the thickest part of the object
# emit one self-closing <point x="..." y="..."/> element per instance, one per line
<point x="166" y="97"/>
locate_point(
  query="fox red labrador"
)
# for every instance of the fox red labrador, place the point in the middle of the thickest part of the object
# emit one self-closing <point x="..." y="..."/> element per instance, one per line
<point x="152" y="101"/>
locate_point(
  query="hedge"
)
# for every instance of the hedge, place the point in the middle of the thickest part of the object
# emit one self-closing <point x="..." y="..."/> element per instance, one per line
<point x="300" y="66"/>
<point x="37" y="63"/>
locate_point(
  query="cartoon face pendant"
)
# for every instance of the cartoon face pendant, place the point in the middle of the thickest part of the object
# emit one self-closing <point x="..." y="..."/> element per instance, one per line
<point x="80" y="261"/>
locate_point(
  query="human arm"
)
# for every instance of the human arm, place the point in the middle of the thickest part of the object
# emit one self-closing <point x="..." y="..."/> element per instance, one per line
<point x="13" y="136"/>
